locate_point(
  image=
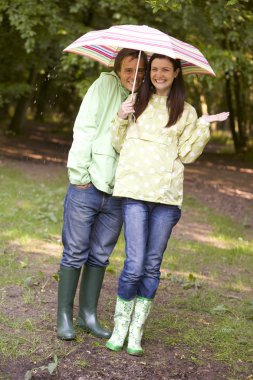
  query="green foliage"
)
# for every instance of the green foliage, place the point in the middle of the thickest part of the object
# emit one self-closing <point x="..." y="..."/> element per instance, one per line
<point x="222" y="30"/>
<point x="164" y="5"/>
<point x="10" y="91"/>
<point x="53" y="83"/>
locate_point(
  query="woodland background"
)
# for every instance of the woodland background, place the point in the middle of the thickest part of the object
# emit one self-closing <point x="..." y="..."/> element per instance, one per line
<point x="38" y="82"/>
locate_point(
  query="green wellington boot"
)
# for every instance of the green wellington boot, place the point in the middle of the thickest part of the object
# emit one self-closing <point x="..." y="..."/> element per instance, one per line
<point x="140" y="315"/>
<point x="91" y="283"/>
<point x="68" y="280"/>
<point x="122" y="319"/>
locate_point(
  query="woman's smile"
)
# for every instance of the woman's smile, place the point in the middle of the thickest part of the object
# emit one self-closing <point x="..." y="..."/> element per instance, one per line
<point x="162" y="75"/>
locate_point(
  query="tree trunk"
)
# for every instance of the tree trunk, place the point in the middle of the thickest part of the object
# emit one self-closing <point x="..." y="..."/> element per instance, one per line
<point x="17" y="122"/>
<point x="42" y="98"/>
<point x="231" y="112"/>
<point x="4" y="114"/>
<point x="240" y="113"/>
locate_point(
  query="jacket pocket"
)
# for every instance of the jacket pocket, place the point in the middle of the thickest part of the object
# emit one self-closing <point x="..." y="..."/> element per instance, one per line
<point x="161" y="153"/>
<point x="103" y="163"/>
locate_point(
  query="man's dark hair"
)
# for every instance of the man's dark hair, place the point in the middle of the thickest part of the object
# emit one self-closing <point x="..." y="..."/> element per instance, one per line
<point x="123" y="53"/>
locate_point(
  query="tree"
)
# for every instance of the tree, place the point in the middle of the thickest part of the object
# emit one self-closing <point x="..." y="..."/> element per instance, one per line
<point x="223" y="29"/>
<point x="36" y="29"/>
<point x="39" y="76"/>
<point x="36" y="75"/>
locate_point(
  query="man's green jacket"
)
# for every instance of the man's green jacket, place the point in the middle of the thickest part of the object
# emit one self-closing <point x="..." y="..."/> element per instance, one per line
<point x="92" y="157"/>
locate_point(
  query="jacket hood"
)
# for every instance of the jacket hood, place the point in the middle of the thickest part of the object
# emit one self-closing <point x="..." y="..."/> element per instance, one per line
<point x="123" y="90"/>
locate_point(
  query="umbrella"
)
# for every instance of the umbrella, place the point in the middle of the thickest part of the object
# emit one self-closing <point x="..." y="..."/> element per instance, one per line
<point x="103" y="46"/>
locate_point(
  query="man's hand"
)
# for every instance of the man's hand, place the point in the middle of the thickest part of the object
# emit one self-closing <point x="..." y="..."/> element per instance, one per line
<point x="86" y="186"/>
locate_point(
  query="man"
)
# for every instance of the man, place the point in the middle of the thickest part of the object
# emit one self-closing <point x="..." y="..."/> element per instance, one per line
<point x="92" y="217"/>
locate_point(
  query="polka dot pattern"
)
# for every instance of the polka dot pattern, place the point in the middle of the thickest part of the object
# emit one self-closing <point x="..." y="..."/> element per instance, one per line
<point x="152" y="157"/>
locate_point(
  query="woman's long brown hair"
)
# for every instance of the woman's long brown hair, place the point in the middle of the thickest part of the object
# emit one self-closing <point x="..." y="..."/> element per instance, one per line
<point x="176" y="97"/>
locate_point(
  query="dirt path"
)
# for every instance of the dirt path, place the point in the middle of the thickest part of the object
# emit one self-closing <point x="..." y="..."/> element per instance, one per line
<point x="222" y="185"/>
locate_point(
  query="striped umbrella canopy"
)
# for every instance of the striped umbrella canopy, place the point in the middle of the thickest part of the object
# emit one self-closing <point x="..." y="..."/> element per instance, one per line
<point x="103" y="46"/>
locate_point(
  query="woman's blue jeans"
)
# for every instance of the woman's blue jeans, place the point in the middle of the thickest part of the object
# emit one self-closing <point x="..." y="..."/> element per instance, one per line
<point x="147" y="229"/>
<point x="91" y="227"/>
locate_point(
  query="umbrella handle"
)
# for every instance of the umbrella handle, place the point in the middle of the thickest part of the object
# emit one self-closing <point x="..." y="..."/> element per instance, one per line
<point x="135" y="75"/>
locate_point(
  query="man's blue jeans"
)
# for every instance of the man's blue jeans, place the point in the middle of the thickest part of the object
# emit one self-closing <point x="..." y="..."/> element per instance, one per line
<point x="147" y="229"/>
<point x="91" y="227"/>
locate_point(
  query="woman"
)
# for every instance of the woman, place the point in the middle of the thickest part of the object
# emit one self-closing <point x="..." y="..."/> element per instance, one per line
<point x="165" y="135"/>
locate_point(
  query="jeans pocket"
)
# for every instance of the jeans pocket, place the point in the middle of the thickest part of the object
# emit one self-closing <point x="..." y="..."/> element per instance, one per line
<point x="81" y="196"/>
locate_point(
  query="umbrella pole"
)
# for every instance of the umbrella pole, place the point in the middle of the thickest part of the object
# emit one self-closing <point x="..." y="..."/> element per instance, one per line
<point x="135" y="76"/>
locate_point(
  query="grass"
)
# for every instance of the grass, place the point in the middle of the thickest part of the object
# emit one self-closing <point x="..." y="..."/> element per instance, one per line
<point x="29" y="210"/>
<point x="213" y="293"/>
<point x="221" y="305"/>
<point x="210" y="282"/>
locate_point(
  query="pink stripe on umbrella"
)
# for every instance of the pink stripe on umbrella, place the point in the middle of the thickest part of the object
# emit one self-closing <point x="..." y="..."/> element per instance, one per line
<point x="103" y="43"/>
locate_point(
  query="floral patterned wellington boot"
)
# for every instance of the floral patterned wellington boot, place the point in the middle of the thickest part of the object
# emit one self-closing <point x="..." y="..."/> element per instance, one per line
<point x="122" y="319"/>
<point x="140" y="314"/>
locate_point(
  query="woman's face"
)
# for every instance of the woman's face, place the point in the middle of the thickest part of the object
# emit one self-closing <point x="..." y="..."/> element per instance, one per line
<point x="162" y="75"/>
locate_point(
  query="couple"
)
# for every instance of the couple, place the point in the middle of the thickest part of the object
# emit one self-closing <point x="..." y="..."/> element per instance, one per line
<point x="155" y="133"/>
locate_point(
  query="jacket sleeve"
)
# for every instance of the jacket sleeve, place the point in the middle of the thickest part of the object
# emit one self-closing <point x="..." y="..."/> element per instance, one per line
<point x="118" y="131"/>
<point x="194" y="137"/>
<point x="85" y="130"/>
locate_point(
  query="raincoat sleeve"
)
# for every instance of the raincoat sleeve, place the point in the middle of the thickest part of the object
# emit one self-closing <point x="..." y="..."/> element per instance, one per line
<point x="85" y="130"/>
<point x="194" y="137"/>
<point x="118" y="132"/>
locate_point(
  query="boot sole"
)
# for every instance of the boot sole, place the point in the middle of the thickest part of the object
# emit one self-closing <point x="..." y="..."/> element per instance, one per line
<point x="112" y="347"/>
<point x="92" y="332"/>
<point x="134" y="352"/>
<point x="66" y="338"/>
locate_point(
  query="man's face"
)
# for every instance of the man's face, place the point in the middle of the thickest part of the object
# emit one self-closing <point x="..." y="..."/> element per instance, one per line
<point x="127" y="72"/>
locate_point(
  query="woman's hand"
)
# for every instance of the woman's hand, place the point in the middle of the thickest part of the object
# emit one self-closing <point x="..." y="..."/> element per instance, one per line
<point x="218" y="117"/>
<point x="126" y="109"/>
